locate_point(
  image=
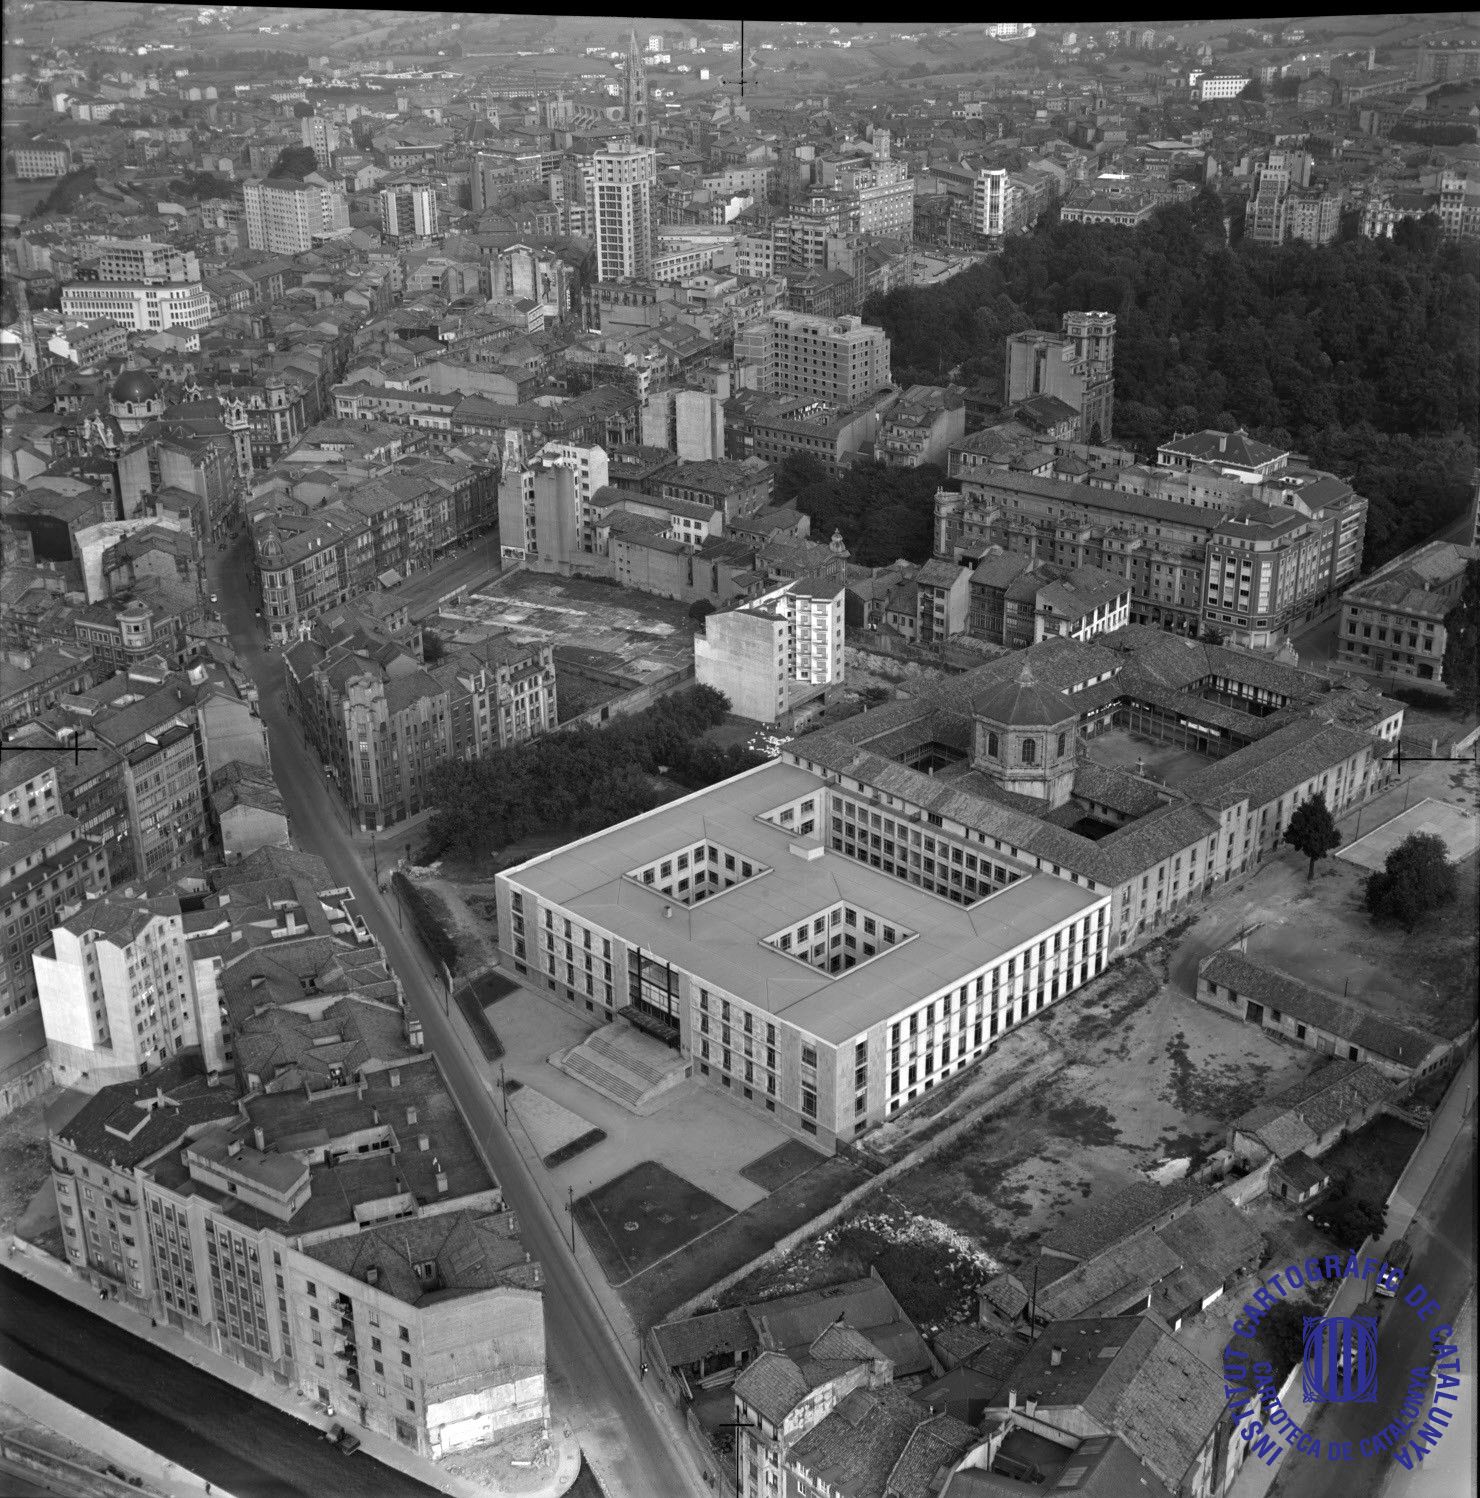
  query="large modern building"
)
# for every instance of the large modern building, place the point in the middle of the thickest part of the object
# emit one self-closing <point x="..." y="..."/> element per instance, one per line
<point x="807" y="981"/>
<point x="623" y="188"/>
<point x="839" y="360"/>
<point x="829" y="936"/>
<point x="1393" y="620"/>
<point x="773" y="653"/>
<point x="146" y="262"/>
<point x="142" y="307"/>
<point x="287" y="217"/>
<point x="408" y="211"/>
<point x="991" y="202"/>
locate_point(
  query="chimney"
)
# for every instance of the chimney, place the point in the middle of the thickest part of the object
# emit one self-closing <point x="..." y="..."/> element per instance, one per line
<point x="410" y="1115"/>
<point x="1055" y="1356"/>
<point x="1030" y="1404"/>
<point x="260" y="1139"/>
<point x="1012" y="1399"/>
<point x="1222" y="442"/>
<point x="233" y="1149"/>
<point x="395" y="1076"/>
<point x="441" y="1180"/>
<point x="375" y="1115"/>
<point x="423" y="1142"/>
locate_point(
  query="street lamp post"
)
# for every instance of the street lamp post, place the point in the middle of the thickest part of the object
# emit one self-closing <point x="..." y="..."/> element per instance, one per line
<point x="503" y="1087"/>
<point x="571" y="1208"/>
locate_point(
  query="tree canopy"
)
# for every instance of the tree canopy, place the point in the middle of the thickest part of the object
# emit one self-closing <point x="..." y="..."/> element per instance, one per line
<point x="1362" y="355"/>
<point x="294" y="161"/>
<point x="1416" y="879"/>
<point x="584" y="779"/>
<point x="1461" y="668"/>
<point x="1313" y="831"/>
<point x="884" y="513"/>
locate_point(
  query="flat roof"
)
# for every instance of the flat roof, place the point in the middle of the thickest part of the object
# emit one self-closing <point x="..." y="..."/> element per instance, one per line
<point x="721" y="940"/>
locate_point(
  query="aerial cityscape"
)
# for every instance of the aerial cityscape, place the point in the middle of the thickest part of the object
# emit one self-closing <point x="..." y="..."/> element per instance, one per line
<point x="738" y="756"/>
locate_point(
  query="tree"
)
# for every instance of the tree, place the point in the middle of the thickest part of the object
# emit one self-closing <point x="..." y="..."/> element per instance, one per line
<point x="1282" y="1331"/>
<point x="1352" y="1220"/>
<point x="432" y="648"/>
<point x="302" y="109"/>
<point x="294" y="161"/>
<point x="1313" y="831"/>
<point x="1417" y="878"/>
<point x="1461" y="668"/>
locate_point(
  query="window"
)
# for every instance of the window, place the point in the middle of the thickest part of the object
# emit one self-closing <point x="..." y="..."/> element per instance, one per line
<point x="1030" y="751"/>
<point x="992" y="745"/>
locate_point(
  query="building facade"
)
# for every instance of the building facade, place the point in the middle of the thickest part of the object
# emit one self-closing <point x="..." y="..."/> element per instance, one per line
<point x="1393" y="620"/>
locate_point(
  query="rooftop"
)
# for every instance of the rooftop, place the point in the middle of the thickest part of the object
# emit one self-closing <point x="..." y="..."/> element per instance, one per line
<point x="723" y="938"/>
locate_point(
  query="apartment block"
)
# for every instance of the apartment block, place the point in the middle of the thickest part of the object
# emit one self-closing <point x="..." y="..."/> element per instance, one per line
<point x="374" y="1268"/>
<point x="838" y="360"/>
<point x="409" y="211"/>
<point x="622" y="189"/>
<point x="40" y="160"/>
<point x="1393" y="620"/>
<point x="1076" y="366"/>
<point x="771" y="654"/>
<point x="991" y="202"/>
<point x="117" y="991"/>
<point x="286" y="217"/>
<point x="46" y="867"/>
<point x="381" y="721"/>
<point x="145" y="262"/>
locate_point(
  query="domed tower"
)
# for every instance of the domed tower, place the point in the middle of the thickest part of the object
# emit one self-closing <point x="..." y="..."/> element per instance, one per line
<point x="1024" y="738"/>
<point x="135" y="400"/>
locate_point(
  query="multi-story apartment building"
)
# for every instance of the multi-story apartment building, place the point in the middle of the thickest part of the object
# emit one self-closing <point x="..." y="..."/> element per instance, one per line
<point x="1293" y="540"/>
<point x="1077" y="367"/>
<point x="40" y="159"/>
<point x="409" y="211"/>
<point x="118" y="992"/>
<point x="145" y="262"/>
<point x="991" y="202"/>
<point x="771" y="430"/>
<point x="381" y="722"/>
<point x="622" y="189"/>
<point x="920" y="427"/>
<point x="1393" y="620"/>
<point x="1219" y="86"/>
<point x="321" y="136"/>
<point x="1017" y="601"/>
<point x="773" y="653"/>
<point x="314" y="554"/>
<point x="375" y="1268"/>
<point x="1459" y="206"/>
<point x="287" y="217"/>
<point x="46" y="867"/>
<point x="545" y="504"/>
<point x="839" y="360"/>
<point x="142" y="308"/>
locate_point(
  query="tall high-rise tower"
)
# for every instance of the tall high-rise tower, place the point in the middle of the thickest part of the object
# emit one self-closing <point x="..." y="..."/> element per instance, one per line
<point x="634" y="93"/>
<point x="623" y="192"/>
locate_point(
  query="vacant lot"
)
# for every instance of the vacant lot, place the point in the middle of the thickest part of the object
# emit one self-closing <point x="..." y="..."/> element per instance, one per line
<point x="1121" y="1078"/>
<point x="25" y="1162"/>
<point x="1367" y="1164"/>
<point x="1322" y="935"/>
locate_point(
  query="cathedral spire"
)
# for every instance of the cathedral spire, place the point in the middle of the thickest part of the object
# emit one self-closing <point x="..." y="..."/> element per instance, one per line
<point x="635" y="93"/>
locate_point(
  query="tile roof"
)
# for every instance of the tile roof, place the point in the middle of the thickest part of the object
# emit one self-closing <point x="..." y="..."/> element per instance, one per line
<point x="1313" y="1106"/>
<point x="1348" y="1020"/>
<point x="1100" y="1224"/>
<point x="772" y="1386"/>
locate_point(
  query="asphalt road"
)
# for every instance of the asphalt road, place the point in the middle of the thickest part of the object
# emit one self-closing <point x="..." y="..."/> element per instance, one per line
<point x="1443" y="1236"/>
<point x="246" y="1447"/>
<point x="638" y="1454"/>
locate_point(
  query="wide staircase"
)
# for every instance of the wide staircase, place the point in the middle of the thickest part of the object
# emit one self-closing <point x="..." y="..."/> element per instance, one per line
<point x="628" y="1067"/>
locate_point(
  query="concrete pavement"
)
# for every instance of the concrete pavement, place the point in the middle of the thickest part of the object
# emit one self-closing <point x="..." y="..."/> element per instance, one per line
<point x="632" y="1440"/>
<point x="1454" y="1116"/>
<point x="1451" y="1468"/>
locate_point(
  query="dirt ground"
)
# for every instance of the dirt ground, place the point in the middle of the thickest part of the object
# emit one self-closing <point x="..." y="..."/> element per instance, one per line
<point x="464" y="905"/>
<point x="25" y="1164"/>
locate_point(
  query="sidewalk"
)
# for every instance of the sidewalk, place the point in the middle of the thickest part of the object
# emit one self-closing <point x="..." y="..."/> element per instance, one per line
<point x="60" y="1278"/>
<point x="23" y="1406"/>
<point x="1255" y="1479"/>
<point x="586" y="1262"/>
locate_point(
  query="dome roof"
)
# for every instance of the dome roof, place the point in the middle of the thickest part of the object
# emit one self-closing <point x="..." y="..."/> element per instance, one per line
<point x="134" y="387"/>
<point x="1021" y="702"/>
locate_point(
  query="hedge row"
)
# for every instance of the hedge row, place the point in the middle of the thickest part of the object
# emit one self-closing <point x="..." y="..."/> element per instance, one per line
<point x="575" y="1147"/>
<point x="484" y="1033"/>
<point x="425" y="922"/>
